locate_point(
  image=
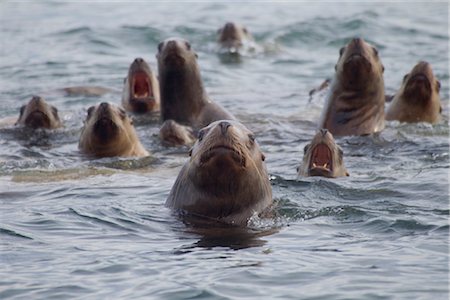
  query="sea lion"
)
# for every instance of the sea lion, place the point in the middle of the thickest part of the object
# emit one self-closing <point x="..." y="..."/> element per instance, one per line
<point x="418" y="99"/>
<point x="323" y="157"/>
<point x="108" y="131"/>
<point x="226" y="178"/>
<point x="174" y="134"/>
<point x="141" y="88"/>
<point x="183" y="98"/>
<point x="233" y="36"/>
<point x="355" y="101"/>
<point x="37" y="113"/>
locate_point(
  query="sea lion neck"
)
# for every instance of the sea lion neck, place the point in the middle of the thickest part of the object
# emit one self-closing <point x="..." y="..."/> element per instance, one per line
<point x="182" y="94"/>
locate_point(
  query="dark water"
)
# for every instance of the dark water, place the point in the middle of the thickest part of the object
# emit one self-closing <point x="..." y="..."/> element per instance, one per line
<point x="98" y="229"/>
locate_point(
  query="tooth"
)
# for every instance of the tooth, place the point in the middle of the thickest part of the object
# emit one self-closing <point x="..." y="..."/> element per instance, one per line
<point x="314" y="165"/>
<point x="325" y="165"/>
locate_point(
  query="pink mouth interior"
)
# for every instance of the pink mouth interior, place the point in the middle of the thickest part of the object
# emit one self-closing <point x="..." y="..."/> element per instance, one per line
<point x="141" y="85"/>
<point x="321" y="157"/>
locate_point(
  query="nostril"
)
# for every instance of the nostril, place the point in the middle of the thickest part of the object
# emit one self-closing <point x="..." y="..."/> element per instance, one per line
<point x="36" y="99"/>
<point x="103" y="105"/>
<point x="224" y="125"/>
<point x="171" y="44"/>
<point x="139" y="60"/>
<point x="323" y="131"/>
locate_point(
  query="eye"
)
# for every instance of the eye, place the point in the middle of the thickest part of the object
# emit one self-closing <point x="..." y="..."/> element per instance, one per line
<point x="375" y="51"/>
<point x="201" y="134"/>
<point x="122" y="113"/>
<point x="55" y="111"/>
<point x="22" y="110"/>
<point x="188" y="45"/>
<point x="438" y="85"/>
<point x="263" y="157"/>
<point x="382" y="68"/>
<point x="90" y="111"/>
<point x="405" y="77"/>
<point x="306" y="148"/>
<point x="160" y="46"/>
<point x="341" y="51"/>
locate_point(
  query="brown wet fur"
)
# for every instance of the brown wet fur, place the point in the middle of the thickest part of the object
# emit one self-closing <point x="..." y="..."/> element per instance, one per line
<point x="37" y="113"/>
<point x="323" y="157"/>
<point x="355" y="102"/>
<point x="226" y="177"/>
<point x="418" y="99"/>
<point x="183" y="97"/>
<point x="232" y="35"/>
<point x="108" y="131"/>
<point x="173" y="134"/>
<point x="141" y="89"/>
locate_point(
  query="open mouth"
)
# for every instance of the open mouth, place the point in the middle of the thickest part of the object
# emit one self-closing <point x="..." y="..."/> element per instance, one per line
<point x="222" y="152"/>
<point x="141" y="85"/>
<point x="321" y="163"/>
<point x="37" y="119"/>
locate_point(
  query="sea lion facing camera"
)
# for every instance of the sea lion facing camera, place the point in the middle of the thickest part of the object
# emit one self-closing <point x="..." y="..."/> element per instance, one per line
<point x="37" y="113"/>
<point x="233" y="36"/>
<point x="183" y="98"/>
<point x="174" y="134"/>
<point x="108" y="131"/>
<point x="355" y="102"/>
<point x="226" y="177"/>
<point x="323" y="157"/>
<point x="418" y="99"/>
<point x="141" y="88"/>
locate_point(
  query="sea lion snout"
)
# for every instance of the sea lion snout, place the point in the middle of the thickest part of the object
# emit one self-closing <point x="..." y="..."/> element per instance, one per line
<point x="224" y="125"/>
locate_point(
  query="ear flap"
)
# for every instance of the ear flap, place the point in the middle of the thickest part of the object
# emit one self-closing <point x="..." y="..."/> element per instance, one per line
<point x="190" y="152"/>
<point x="196" y="55"/>
<point x="347" y="174"/>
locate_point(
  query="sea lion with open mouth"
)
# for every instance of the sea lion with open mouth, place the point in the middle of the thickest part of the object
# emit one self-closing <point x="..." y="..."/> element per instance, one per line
<point x="226" y="178"/>
<point x="37" y="113"/>
<point x="183" y="98"/>
<point x="355" y="101"/>
<point x="418" y="99"/>
<point x="233" y="36"/>
<point x="141" y="88"/>
<point x="108" y="131"/>
<point x="323" y="157"/>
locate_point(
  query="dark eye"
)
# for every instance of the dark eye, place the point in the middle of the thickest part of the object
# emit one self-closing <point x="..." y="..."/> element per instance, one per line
<point x="22" y="110"/>
<point x="90" y="111"/>
<point x="251" y="137"/>
<point x="404" y="77"/>
<point x="188" y="45"/>
<point x="382" y="68"/>
<point x="160" y="46"/>
<point x="201" y="134"/>
<point x="306" y="148"/>
<point x="122" y="113"/>
<point x="438" y="85"/>
<point x="55" y="111"/>
<point x="375" y="51"/>
<point x="341" y="51"/>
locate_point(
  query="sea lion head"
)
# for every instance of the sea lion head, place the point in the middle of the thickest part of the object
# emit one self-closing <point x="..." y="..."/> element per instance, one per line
<point x="358" y="63"/>
<point x="225" y="178"/>
<point x="175" y="53"/>
<point x="323" y="157"/>
<point x="174" y="134"/>
<point x="107" y="131"/>
<point x="141" y="90"/>
<point x="37" y="113"/>
<point x="420" y="84"/>
<point x="232" y="35"/>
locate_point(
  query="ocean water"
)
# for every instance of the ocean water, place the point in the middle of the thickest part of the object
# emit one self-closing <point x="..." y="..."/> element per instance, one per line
<point x="77" y="228"/>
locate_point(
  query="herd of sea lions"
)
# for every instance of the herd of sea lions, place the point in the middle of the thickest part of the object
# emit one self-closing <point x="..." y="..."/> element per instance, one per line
<point x="226" y="178"/>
